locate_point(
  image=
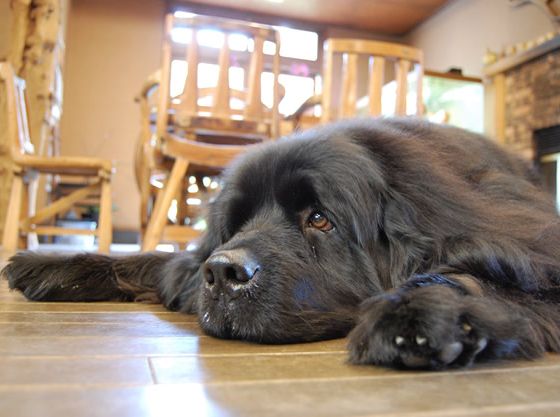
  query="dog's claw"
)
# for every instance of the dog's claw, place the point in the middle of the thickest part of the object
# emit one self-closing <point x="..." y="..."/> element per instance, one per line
<point x="481" y="345"/>
<point x="451" y="352"/>
<point x="421" y="341"/>
<point x="399" y="340"/>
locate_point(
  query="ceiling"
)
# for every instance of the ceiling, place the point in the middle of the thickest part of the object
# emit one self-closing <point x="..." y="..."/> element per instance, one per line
<point x="389" y="17"/>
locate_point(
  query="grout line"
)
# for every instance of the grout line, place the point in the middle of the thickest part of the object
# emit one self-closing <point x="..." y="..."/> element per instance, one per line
<point x="153" y="373"/>
<point x="24" y="312"/>
<point x="168" y="356"/>
<point x="404" y="375"/>
<point x="478" y="411"/>
<point x="88" y="323"/>
<point x="97" y="323"/>
<point x="42" y="386"/>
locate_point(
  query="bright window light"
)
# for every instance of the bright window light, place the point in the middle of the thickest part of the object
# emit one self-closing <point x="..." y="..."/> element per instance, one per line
<point x="207" y="76"/>
<point x="181" y="35"/>
<point x="298" y="89"/>
<point x="178" y="76"/>
<point x="165" y="247"/>
<point x="296" y="43"/>
<point x="181" y="14"/>
<point x="269" y="48"/>
<point x="210" y="38"/>
<point x="172" y="212"/>
<point x="238" y="42"/>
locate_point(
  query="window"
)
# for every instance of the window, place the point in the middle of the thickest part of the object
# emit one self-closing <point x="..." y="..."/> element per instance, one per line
<point x="458" y="101"/>
<point x="298" y="72"/>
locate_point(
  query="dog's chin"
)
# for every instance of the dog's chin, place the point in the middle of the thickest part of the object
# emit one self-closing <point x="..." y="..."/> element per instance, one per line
<point x="273" y="328"/>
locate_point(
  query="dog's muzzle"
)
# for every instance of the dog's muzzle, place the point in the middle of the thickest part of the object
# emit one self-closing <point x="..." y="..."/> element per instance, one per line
<point x="229" y="272"/>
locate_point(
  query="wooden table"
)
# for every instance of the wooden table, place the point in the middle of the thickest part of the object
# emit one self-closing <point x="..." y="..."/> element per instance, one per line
<point x="118" y="359"/>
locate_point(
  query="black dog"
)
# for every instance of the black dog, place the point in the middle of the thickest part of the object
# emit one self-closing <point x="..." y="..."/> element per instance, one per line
<point x="433" y="244"/>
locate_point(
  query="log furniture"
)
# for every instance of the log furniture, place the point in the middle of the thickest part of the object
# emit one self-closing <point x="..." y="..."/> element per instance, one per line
<point x="199" y="131"/>
<point x="23" y="221"/>
<point x="351" y="63"/>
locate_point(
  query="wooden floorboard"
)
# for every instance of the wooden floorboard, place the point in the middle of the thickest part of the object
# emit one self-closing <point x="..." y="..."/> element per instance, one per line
<point x="125" y="359"/>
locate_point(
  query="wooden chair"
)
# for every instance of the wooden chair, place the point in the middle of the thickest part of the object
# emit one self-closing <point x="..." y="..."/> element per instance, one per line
<point x="22" y="218"/>
<point x="342" y="76"/>
<point x="200" y="130"/>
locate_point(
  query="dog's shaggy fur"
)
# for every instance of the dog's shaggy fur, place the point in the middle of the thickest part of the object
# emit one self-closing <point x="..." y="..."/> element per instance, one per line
<point x="436" y="247"/>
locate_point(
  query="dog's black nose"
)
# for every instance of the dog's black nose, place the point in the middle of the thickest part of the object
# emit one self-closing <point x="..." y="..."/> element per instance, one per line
<point x="230" y="267"/>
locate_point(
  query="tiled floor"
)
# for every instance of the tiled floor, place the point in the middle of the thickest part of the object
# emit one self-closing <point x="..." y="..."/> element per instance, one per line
<point x="108" y="359"/>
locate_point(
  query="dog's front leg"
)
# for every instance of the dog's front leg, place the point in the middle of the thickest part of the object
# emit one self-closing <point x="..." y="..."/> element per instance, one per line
<point x="437" y="321"/>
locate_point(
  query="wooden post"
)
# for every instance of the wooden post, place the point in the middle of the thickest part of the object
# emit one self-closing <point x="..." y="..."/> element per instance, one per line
<point x="377" y="78"/>
<point x="349" y="95"/>
<point x="41" y="60"/>
<point x="6" y="174"/>
<point x="402" y="69"/>
<point x="11" y="233"/>
<point x="20" y="22"/>
<point x="500" y="109"/>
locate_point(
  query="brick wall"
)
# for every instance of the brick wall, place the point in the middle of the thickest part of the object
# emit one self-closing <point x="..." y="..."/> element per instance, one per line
<point x="532" y="99"/>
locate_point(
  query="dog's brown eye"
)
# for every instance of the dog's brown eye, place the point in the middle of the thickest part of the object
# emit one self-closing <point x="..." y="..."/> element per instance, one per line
<point x="319" y="221"/>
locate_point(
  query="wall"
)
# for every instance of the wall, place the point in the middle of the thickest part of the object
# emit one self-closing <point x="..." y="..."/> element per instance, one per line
<point x="112" y="46"/>
<point x="458" y="35"/>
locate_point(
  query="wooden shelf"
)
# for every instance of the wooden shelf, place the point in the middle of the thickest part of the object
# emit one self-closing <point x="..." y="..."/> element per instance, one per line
<point x="515" y="60"/>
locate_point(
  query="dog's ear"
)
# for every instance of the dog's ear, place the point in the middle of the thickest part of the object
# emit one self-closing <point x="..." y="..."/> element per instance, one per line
<point x="401" y="235"/>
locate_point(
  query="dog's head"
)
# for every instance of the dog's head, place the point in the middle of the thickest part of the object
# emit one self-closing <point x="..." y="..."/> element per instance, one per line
<point x="307" y="228"/>
<point x="287" y="249"/>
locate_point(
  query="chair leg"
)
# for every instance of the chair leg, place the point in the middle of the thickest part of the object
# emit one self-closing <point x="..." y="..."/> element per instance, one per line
<point x="11" y="227"/>
<point x="145" y="195"/>
<point x="182" y="208"/>
<point x="158" y="218"/>
<point x="32" y="240"/>
<point x="105" y="227"/>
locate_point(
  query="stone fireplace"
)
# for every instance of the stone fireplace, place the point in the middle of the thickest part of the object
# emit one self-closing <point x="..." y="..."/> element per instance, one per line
<point x="546" y="143"/>
<point x="532" y="100"/>
<point x="527" y="106"/>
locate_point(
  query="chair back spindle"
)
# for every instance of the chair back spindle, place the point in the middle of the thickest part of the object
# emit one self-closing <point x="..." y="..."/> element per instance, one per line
<point x="189" y="97"/>
<point x="18" y="125"/>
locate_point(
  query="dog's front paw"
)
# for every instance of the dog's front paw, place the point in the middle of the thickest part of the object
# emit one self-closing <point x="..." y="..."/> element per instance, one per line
<point x="431" y="327"/>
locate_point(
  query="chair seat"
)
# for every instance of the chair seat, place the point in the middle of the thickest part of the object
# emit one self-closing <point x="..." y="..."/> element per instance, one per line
<point x="201" y="153"/>
<point x="65" y="165"/>
<point x="223" y="137"/>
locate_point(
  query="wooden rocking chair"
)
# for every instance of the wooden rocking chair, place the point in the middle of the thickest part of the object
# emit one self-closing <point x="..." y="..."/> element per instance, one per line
<point x="200" y="131"/>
